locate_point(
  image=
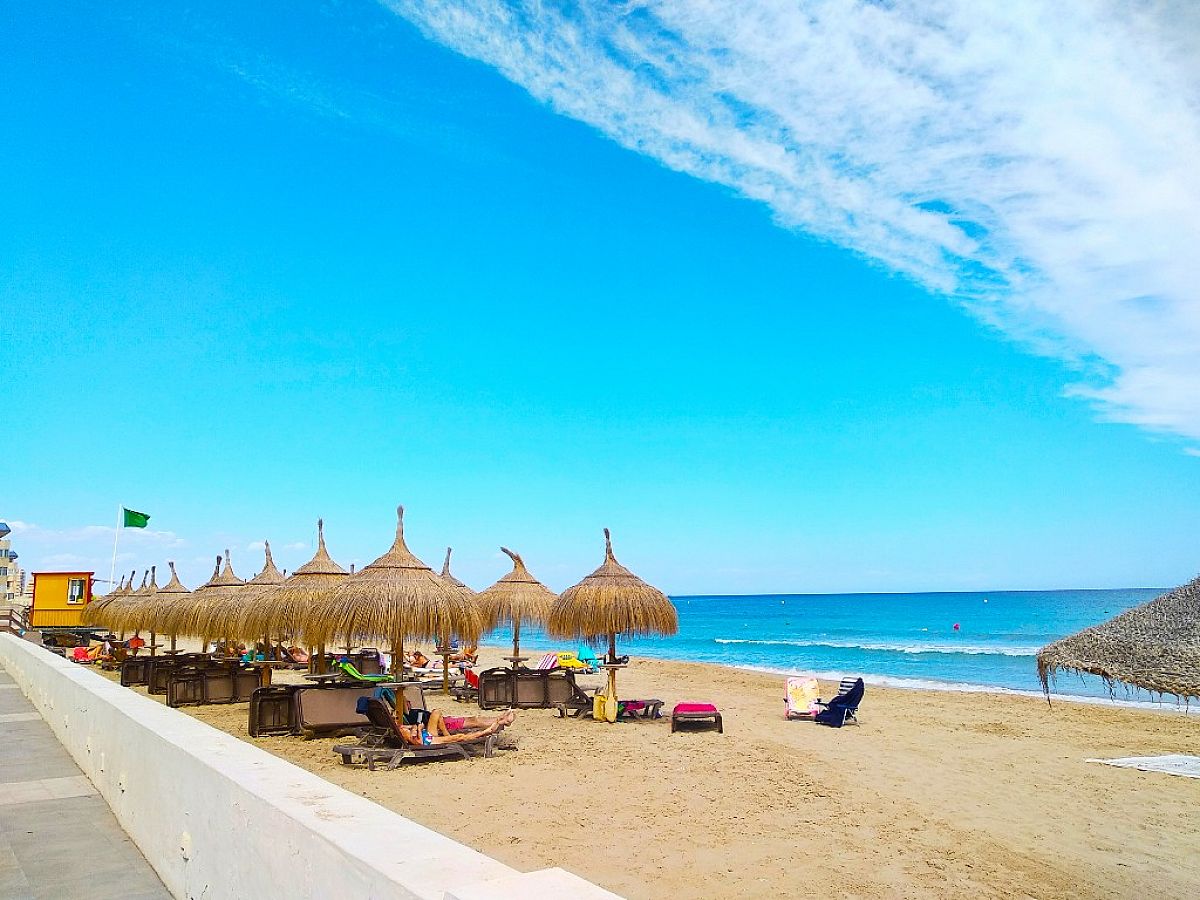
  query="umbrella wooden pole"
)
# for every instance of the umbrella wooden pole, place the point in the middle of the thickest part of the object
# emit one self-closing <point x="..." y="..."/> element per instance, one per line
<point x="612" y="648"/>
<point x="445" y="664"/>
<point x="516" y="641"/>
<point x="153" y="643"/>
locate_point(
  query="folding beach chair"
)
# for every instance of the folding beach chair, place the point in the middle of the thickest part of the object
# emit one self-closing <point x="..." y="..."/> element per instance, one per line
<point x="800" y="697"/>
<point x="549" y="661"/>
<point x="842" y="709"/>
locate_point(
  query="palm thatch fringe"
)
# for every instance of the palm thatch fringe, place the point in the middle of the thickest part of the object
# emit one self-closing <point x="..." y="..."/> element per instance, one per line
<point x="516" y="599"/>
<point x="208" y="603"/>
<point x="1155" y="646"/>
<point x="149" y="611"/>
<point x="172" y="618"/>
<point x="224" y="615"/>
<point x="95" y="612"/>
<point x="280" y="611"/>
<point x="611" y="601"/>
<point x="395" y="598"/>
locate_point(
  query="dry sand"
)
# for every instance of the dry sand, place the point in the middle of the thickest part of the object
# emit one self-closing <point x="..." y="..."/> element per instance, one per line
<point x="934" y="795"/>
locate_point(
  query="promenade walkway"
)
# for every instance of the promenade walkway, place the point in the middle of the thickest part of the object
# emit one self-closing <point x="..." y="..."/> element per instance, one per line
<point x="58" y="837"/>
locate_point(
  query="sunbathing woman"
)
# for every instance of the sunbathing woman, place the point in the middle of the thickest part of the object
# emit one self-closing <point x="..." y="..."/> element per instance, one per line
<point x="445" y="726"/>
<point x="420" y="736"/>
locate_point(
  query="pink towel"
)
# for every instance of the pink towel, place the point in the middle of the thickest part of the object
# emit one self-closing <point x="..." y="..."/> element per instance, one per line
<point x="695" y="708"/>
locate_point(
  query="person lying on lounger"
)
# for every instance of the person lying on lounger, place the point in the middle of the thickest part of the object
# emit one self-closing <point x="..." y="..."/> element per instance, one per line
<point x="445" y="726"/>
<point x="467" y="655"/>
<point x="422" y="736"/>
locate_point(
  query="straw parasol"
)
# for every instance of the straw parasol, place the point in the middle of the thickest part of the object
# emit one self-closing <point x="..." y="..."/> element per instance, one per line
<point x="444" y="640"/>
<point x="516" y="599"/>
<point x="149" y="611"/>
<point x="209" y="603"/>
<point x="97" y="612"/>
<point x="224" y="618"/>
<point x="173" y="619"/>
<point x="1155" y="646"/>
<point x="281" y="610"/>
<point x="611" y="601"/>
<point x="394" y="598"/>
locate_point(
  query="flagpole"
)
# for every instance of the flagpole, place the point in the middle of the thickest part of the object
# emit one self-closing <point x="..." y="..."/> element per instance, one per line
<point x="112" y="572"/>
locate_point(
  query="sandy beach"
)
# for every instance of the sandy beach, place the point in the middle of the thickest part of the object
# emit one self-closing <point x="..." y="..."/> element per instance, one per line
<point x="934" y="795"/>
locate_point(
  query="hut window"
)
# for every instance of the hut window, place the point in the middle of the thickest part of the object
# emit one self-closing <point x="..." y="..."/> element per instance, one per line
<point x="3" y="570"/>
<point x="75" y="590"/>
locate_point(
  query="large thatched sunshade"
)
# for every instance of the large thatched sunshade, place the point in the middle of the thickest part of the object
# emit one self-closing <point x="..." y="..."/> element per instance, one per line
<point x="94" y="613"/>
<point x="397" y="597"/>
<point x="225" y="618"/>
<point x="210" y="602"/>
<point x="125" y="614"/>
<point x="150" y="610"/>
<point x="471" y="598"/>
<point x="281" y="610"/>
<point x="1155" y="646"/>
<point x="172" y="618"/>
<point x="611" y="601"/>
<point x="516" y="599"/>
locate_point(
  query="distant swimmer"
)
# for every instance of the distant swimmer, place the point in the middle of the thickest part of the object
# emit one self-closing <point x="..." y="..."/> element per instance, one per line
<point x="956" y="626"/>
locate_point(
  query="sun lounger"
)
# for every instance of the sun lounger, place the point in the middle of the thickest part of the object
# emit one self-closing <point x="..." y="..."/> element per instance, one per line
<point x="530" y="689"/>
<point x="469" y="690"/>
<point x="639" y="709"/>
<point x="385" y="743"/>
<point x="842" y="709"/>
<point x="696" y="712"/>
<point x="800" y="698"/>
<point x="549" y="661"/>
<point x="353" y="674"/>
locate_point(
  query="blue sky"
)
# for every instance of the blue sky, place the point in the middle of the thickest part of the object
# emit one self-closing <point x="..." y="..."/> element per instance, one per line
<point x="265" y="266"/>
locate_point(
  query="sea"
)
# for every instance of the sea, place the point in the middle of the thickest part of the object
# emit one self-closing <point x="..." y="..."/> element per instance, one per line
<point x="935" y="641"/>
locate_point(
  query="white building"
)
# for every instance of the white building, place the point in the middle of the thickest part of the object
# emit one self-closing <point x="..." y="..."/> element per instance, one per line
<point x="12" y="577"/>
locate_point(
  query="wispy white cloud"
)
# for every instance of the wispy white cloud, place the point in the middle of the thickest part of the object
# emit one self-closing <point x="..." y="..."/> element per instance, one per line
<point x="1036" y="161"/>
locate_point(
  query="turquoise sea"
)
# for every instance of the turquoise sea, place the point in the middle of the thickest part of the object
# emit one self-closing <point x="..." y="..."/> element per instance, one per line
<point x="905" y="640"/>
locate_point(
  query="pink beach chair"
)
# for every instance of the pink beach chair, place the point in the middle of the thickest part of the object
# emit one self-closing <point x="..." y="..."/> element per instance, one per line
<point x="801" y="696"/>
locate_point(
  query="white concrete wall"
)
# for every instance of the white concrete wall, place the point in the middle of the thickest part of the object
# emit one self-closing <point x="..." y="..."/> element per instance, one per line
<point x="220" y="818"/>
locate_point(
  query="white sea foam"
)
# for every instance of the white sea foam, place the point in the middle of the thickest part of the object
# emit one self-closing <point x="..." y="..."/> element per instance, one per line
<point x="929" y="684"/>
<point x="891" y="647"/>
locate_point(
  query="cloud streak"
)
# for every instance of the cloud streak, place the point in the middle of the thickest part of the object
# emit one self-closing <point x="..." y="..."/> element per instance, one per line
<point x="1034" y="161"/>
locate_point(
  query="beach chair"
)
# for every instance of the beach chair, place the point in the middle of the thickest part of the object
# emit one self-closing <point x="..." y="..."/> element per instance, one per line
<point x="469" y="690"/>
<point x="842" y="709"/>
<point x="696" y="712"/>
<point x="587" y="656"/>
<point x="384" y="742"/>
<point x="348" y="668"/>
<point x="549" y="661"/>
<point x="800" y="698"/>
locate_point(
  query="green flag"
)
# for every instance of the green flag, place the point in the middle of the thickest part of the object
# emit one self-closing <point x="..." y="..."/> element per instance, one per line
<point x="135" y="519"/>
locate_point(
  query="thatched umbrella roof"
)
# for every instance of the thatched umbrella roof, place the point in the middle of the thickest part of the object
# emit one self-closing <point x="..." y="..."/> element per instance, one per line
<point x="394" y="598"/>
<point x="611" y="601"/>
<point x="516" y="599"/>
<point x="95" y="612"/>
<point x="1155" y="646"/>
<point x="209" y="603"/>
<point x="124" y="614"/>
<point x="172" y="619"/>
<point x="224" y="617"/>
<point x="281" y="610"/>
<point x="448" y="576"/>
<point x="150" y="611"/>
